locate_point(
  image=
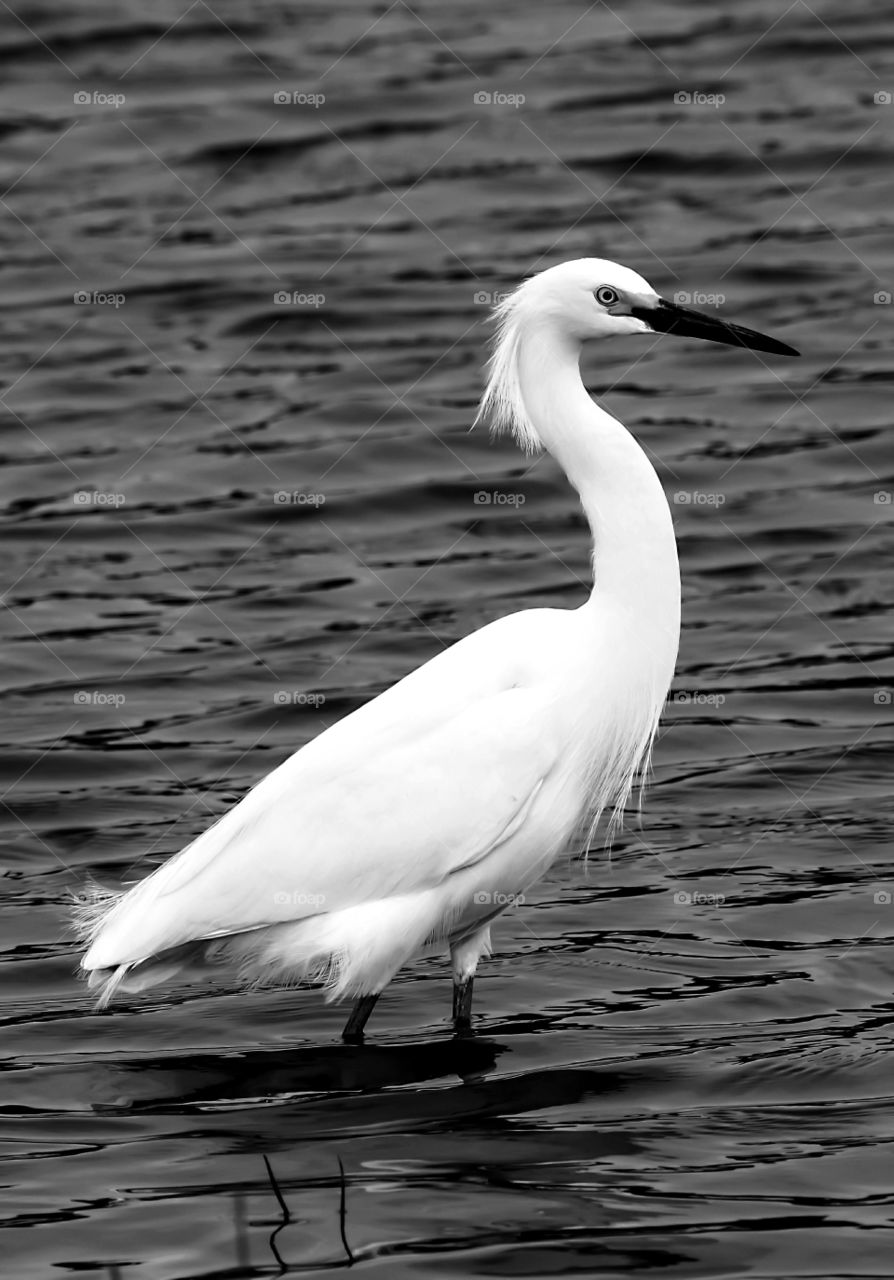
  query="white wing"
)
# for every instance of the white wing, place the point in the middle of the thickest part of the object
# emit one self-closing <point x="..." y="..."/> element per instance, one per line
<point x="429" y="778"/>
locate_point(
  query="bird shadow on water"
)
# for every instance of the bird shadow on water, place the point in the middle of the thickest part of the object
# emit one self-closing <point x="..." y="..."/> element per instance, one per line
<point x="286" y="1145"/>
<point x="279" y="1123"/>
<point x="178" y="1081"/>
<point x="341" y="1086"/>
<point x="303" y="1219"/>
<point x="280" y="1213"/>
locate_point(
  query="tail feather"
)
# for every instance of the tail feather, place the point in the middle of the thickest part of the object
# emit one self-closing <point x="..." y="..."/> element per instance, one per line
<point x="191" y="961"/>
<point x="90" y="910"/>
<point x="90" y="907"/>
<point x="353" y="952"/>
<point x="109" y="980"/>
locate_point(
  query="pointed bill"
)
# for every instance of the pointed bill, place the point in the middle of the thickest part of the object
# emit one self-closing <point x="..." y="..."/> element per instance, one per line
<point x="669" y="317"/>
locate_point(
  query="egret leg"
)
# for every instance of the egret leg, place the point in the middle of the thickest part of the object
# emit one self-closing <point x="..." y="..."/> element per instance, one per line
<point x="363" y="1007"/>
<point x="465" y="953"/>
<point x="462" y="1004"/>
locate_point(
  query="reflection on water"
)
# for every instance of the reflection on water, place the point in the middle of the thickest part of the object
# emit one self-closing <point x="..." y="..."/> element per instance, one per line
<point x="231" y="518"/>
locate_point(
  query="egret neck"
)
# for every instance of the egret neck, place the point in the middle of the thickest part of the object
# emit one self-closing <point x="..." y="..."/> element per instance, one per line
<point x="634" y="549"/>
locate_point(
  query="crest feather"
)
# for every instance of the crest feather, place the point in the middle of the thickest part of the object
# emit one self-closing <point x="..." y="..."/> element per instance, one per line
<point x="502" y="404"/>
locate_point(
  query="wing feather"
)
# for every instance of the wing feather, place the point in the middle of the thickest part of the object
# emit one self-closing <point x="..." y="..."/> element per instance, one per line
<point x="388" y="806"/>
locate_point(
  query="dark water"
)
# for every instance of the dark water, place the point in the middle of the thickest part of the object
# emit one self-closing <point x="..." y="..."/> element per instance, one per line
<point x="683" y="1063"/>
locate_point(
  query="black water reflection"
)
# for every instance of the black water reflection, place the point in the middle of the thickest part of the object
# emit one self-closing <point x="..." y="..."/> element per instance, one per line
<point x="179" y="1081"/>
<point x="206" y="1089"/>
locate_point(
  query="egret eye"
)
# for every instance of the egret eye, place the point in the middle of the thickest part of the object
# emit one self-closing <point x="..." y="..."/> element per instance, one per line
<point x="607" y="296"/>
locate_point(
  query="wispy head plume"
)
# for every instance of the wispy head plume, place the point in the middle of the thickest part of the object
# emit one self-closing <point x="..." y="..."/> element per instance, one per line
<point x="503" y="405"/>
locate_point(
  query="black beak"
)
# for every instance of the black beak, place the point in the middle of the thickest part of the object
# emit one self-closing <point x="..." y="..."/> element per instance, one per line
<point x="668" y="317"/>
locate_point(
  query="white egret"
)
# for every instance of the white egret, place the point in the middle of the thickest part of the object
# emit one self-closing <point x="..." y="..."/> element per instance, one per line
<point x="416" y="819"/>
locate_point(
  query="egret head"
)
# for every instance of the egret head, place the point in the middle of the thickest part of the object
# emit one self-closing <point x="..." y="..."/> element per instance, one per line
<point x="587" y="298"/>
<point x="594" y="298"/>
<point x="584" y="299"/>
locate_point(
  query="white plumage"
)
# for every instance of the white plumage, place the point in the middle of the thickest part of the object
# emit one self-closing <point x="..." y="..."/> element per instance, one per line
<point x="418" y="817"/>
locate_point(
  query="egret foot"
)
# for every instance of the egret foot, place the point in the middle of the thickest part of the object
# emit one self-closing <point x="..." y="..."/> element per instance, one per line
<point x="363" y="1007"/>
<point x="462" y="1004"/>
